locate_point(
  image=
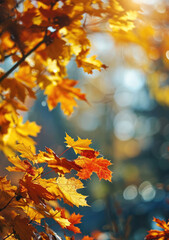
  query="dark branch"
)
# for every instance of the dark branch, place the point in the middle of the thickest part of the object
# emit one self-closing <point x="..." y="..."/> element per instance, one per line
<point x="21" y="60"/>
<point x="7" y="236"/>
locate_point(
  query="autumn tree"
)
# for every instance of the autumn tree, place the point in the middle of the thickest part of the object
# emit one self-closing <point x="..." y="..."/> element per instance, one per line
<point x="40" y="37"/>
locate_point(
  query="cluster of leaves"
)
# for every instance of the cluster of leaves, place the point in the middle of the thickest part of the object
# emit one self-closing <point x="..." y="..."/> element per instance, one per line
<point x="41" y="37"/>
<point x="29" y="203"/>
<point x="157" y="234"/>
<point x="151" y="36"/>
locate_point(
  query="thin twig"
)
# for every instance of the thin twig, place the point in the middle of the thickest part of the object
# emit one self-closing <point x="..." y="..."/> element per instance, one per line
<point x="64" y="151"/>
<point x="21" y="60"/>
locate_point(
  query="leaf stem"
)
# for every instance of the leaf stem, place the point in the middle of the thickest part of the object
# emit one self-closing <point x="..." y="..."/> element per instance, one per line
<point x="64" y="151"/>
<point x="21" y="60"/>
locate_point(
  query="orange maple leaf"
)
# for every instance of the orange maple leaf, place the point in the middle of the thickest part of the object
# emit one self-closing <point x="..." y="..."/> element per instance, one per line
<point x="157" y="234"/>
<point x="35" y="191"/>
<point x="74" y="219"/>
<point x="97" y="165"/>
<point x="65" y="94"/>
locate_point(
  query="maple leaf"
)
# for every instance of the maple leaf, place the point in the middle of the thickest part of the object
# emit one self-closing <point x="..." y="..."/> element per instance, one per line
<point x="79" y="145"/>
<point x="157" y="234"/>
<point x="66" y="189"/>
<point x="74" y="219"/>
<point x="5" y="185"/>
<point x="34" y="212"/>
<point x="89" y="63"/>
<point x="97" y="165"/>
<point x="58" y="49"/>
<point x="19" y="132"/>
<point x="65" y="94"/>
<point x="35" y="191"/>
<point x="20" y="166"/>
<point x="59" y="165"/>
<point x="17" y="89"/>
<point x="40" y="211"/>
<point x="22" y="228"/>
<point x="57" y="216"/>
<point x="26" y="151"/>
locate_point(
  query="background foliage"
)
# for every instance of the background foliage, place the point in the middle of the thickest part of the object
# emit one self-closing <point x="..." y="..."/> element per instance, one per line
<point x="125" y="109"/>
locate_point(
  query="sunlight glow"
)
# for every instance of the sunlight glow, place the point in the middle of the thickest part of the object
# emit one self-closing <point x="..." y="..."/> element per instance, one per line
<point x="134" y="80"/>
<point x="150" y="2"/>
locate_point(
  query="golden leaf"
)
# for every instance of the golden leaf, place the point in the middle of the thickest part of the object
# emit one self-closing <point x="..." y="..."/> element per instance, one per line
<point x="78" y="145"/>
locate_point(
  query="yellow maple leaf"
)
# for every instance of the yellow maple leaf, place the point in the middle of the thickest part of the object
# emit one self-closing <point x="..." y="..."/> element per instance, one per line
<point x="19" y="132"/>
<point x="23" y="166"/>
<point x="78" y="145"/>
<point x="66" y="189"/>
<point x="26" y="151"/>
<point x="89" y="63"/>
<point x="56" y="215"/>
<point x="5" y="185"/>
<point x="33" y="212"/>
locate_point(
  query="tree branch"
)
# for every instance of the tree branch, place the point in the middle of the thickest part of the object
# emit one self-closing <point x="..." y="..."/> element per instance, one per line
<point x="7" y="236"/>
<point x="21" y="60"/>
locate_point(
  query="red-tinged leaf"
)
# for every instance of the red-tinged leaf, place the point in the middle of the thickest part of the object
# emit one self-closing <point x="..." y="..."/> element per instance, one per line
<point x="89" y="153"/>
<point x="59" y="165"/>
<point x="157" y="234"/>
<point x="73" y="219"/>
<point x="97" y="165"/>
<point x="161" y="223"/>
<point x="35" y="191"/>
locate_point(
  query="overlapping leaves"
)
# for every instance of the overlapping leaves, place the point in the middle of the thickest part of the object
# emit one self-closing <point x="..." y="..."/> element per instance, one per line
<point x="159" y="234"/>
<point x="55" y="32"/>
<point x="30" y="201"/>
